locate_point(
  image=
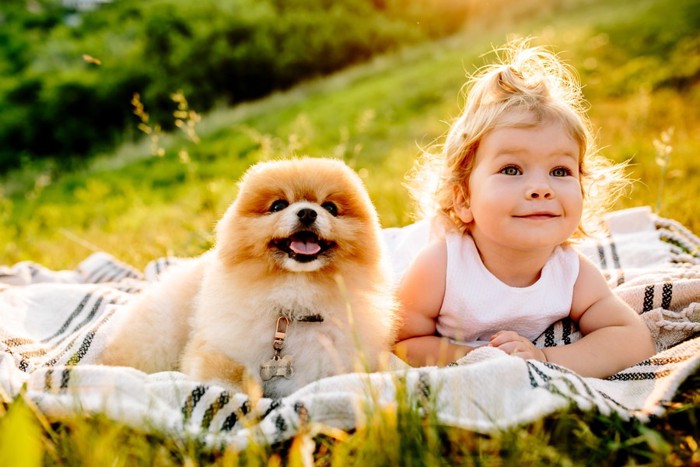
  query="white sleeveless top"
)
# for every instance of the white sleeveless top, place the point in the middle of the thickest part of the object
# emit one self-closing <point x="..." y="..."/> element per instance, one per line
<point x="477" y="304"/>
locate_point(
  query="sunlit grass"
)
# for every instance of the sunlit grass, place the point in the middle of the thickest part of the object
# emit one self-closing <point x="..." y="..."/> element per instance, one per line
<point x="403" y="433"/>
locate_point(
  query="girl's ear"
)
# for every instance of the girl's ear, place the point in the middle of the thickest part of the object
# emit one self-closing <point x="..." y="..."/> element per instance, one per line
<point x="462" y="208"/>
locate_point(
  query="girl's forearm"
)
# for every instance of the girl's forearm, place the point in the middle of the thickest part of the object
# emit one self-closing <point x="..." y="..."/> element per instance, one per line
<point x="429" y="350"/>
<point x="604" y="352"/>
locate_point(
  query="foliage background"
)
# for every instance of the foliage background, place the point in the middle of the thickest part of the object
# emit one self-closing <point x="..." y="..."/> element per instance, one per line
<point x="72" y="73"/>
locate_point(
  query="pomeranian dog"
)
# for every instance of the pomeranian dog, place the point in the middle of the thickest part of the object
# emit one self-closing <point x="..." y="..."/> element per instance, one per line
<point x="296" y="288"/>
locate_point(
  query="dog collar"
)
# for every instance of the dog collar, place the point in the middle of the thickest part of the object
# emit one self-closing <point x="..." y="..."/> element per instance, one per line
<point x="302" y="315"/>
<point x="279" y="365"/>
<point x="315" y="318"/>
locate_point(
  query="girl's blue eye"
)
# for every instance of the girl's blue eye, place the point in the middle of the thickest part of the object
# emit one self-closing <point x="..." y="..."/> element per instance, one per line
<point x="279" y="205"/>
<point x="331" y="208"/>
<point x="561" y="172"/>
<point x="510" y="170"/>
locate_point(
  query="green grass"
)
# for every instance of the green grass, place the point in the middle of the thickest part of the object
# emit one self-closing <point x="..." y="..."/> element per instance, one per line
<point x="393" y="435"/>
<point x="378" y="117"/>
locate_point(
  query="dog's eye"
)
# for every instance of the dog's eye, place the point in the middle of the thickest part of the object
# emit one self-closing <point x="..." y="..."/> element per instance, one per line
<point x="330" y="207"/>
<point x="279" y="205"/>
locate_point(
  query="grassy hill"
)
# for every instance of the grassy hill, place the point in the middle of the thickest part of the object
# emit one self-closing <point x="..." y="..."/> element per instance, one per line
<point x="378" y="117"/>
<point x="638" y="60"/>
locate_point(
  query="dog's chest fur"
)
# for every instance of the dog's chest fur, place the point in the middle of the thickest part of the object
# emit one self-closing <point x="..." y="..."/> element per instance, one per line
<point x="241" y="323"/>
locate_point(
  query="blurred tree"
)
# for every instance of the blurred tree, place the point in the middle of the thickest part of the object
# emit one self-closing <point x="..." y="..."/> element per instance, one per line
<point x="67" y="76"/>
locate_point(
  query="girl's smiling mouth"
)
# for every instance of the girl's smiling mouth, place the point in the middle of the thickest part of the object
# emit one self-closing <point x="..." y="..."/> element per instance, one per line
<point x="538" y="216"/>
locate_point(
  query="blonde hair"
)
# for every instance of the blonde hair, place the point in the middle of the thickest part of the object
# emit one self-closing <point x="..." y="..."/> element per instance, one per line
<point x="528" y="86"/>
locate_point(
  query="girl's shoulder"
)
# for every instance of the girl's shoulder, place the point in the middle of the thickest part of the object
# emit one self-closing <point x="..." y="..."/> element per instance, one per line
<point x="458" y="240"/>
<point x="431" y="258"/>
<point x="590" y="286"/>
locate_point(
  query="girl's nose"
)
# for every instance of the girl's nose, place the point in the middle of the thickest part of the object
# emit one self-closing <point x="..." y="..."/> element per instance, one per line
<point x="539" y="189"/>
<point x="543" y="193"/>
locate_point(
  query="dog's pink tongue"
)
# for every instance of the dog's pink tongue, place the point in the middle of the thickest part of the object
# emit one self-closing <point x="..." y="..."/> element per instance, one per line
<point x="304" y="248"/>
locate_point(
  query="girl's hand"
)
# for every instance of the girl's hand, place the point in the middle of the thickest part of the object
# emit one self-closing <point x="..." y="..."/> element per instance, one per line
<point x="514" y="344"/>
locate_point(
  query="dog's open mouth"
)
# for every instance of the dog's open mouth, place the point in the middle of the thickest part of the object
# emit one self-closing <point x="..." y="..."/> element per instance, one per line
<point x="302" y="246"/>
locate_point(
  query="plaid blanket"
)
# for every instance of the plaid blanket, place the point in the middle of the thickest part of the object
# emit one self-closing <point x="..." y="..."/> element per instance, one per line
<point x="53" y="326"/>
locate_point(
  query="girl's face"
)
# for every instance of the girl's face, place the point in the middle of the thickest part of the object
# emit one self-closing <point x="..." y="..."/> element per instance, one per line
<point x="525" y="189"/>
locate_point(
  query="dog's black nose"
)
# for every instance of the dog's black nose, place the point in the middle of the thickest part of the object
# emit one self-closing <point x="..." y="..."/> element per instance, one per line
<point x="307" y="216"/>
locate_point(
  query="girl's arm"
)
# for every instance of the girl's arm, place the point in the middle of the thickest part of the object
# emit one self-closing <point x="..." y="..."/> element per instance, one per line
<point x="420" y="294"/>
<point x="614" y="335"/>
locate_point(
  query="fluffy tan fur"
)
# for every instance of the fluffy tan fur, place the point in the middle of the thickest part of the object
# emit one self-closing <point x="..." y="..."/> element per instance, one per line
<point x="302" y="240"/>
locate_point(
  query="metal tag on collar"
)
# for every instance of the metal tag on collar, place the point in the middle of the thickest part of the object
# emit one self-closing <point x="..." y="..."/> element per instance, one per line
<point x="277" y="365"/>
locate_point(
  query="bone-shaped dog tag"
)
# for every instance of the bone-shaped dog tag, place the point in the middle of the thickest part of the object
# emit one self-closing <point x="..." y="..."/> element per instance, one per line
<point x="277" y="367"/>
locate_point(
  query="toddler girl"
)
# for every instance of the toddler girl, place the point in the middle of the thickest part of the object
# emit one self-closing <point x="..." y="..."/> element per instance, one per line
<point x="520" y="177"/>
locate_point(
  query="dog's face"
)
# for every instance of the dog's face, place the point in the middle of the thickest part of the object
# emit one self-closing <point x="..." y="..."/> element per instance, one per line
<point x="300" y="215"/>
